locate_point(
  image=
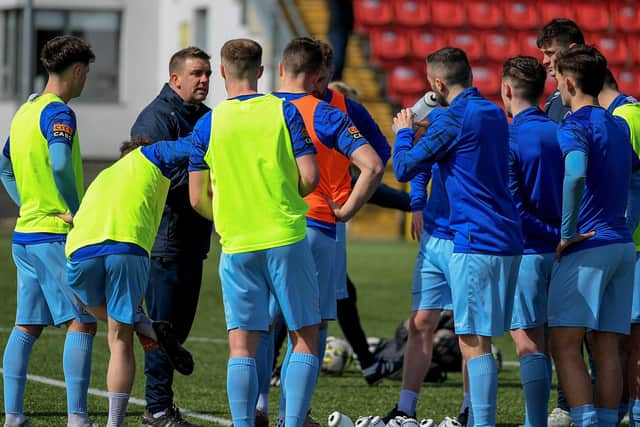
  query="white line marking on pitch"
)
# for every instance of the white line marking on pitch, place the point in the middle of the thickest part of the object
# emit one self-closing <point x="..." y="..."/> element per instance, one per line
<point x="133" y="400"/>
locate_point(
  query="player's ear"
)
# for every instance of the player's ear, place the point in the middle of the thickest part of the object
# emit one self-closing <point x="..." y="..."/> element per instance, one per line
<point x="571" y="85"/>
<point x="281" y="69"/>
<point x="222" y="71"/>
<point x="260" y="71"/>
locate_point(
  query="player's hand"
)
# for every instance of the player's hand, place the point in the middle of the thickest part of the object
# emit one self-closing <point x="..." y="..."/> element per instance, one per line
<point x="337" y="209"/>
<point x="564" y="244"/>
<point x="65" y="217"/>
<point x="404" y="119"/>
<point x="417" y="223"/>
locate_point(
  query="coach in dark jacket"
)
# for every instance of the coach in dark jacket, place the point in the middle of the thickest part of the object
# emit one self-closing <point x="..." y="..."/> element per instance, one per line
<point x="184" y="236"/>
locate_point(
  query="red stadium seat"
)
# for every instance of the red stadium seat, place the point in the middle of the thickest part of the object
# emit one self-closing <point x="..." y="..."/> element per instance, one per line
<point x="469" y="42"/>
<point x="520" y="15"/>
<point x="405" y="81"/>
<point x="500" y="46"/>
<point x="483" y="14"/>
<point x="633" y="42"/>
<point x="528" y="45"/>
<point x="445" y="13"/>
<point x="487" y="80"/>
<point x="387" y="45"/>
<point x="372" y="13"/>
<point x="592" y="16"/>
<point x="628" y="80"/>
<point x="424" y="43"/>
<point x="625" y="16"/>
<point x="613" y="48"/>
<point x="411" y="13"/>
<point x="551" y="9"/>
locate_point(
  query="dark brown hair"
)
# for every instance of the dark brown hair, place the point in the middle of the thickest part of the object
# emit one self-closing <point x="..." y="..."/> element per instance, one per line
<point x="327" y="53"/>
<point x="527" y="76"/>
<point x="302" y="55"/>
<point x="453" y="64"/>
<point x="561" y="30"/>
<point x="178" y="58"/>
<point x="61" y="52"/>
<point x="242" y="58"/>
<point x="587" y="66"/>
<point x="137" y="141"/>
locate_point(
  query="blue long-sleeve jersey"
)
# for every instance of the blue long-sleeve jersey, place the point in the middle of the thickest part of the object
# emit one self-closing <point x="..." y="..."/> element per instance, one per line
<point x="470" y="143"/>
<point x="536" y="172"/>
<point x="367" y="126"/>
<point x="604" y="139"/>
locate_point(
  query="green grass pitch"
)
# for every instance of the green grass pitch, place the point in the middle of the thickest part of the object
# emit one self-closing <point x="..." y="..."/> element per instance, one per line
<point x="382" y="273"/>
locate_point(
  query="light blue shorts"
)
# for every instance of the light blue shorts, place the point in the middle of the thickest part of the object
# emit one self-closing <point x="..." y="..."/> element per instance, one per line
<point x="340" y="268"/>
<point x="120" y="280"/>
<point x="44" y="297"/>
<point x="323" y="250"/>
<point x="431" y="279"/>
<point x="592" y="288"/>
<point x="482" y="289"/>
<point x="287" y="273"/>
<point x="635" y="305"/>
<point x="530" y="302"/>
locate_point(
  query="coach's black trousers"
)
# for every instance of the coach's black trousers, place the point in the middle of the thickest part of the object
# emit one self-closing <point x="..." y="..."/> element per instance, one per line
<point x="172" y="295"/>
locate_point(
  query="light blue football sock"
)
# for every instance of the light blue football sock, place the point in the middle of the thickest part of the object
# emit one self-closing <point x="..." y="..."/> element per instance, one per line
<point x="322" y="343"/>
<point x="301" y="381"/>
<point x="283" y="375"/>
<point x="408" y="402"/>
<point x="242" y="390"/>
<point x="15" y="363"/>
<point x="607" y="417"/>
<point x="584" y="416"/>
<point x="483" y="389"/>
<point x="634" y="414"/>
<point x="264" y="363"/>
<point x="76" y="363"/>
<point x="533" y="372"/>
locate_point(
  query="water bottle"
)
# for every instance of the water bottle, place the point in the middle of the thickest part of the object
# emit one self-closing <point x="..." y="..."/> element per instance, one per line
<point x="336" y="419"/>
<point x="421" y="108"/>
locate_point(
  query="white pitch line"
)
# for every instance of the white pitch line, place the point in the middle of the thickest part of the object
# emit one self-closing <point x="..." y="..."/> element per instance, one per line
<point x="58" y="331"/>
<point x="133" y="400"/>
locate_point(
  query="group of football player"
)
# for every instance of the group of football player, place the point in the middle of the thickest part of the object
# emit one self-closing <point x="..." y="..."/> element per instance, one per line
<point x="526" y="228"/>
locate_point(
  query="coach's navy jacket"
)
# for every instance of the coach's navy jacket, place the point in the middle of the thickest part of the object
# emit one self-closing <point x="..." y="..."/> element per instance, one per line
<point x="182" y="232"/>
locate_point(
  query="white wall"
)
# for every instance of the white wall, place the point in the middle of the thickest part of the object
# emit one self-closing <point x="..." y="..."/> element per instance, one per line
<point x="152" y="30"/>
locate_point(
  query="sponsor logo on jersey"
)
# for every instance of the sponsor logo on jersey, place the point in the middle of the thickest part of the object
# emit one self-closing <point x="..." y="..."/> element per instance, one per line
<point x="354" y="132"/>
<point x="63" y="130"/>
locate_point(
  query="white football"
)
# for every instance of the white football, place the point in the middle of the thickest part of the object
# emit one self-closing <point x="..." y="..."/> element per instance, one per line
<point x="337" y="354"/>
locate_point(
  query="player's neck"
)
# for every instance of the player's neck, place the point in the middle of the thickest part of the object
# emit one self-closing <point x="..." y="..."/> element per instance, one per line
<point x="453" y="92"/>
<point x="519" y="105"/>
<point x="237" y="88"/>
<point x="298" y="84"/>
<point x="291" y="87"/>
<point x="606" y="97"/>
<point x="580" y="100"/>
<point x="60" y="88"/>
